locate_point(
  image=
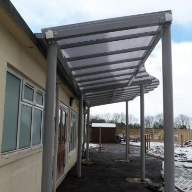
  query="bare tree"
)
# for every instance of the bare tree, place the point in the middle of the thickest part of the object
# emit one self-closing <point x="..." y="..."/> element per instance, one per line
<point x="116" y="117"/>
<point x="94" y="116"/>
<point x="159" y="122"/>
<point x="190" y="120"/>
<point x="182" y="121"/>
<point x="132" y="119"/>
<point x="122" y="118"/>
<point x="107" y="117"/>
<point x="149" y="121"/>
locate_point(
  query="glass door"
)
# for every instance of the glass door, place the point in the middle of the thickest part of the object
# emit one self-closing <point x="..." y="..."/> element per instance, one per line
<point x="62" y="141"/>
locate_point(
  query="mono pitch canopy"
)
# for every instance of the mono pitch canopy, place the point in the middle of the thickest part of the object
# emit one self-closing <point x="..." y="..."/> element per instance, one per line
<point x="106" y="58"/>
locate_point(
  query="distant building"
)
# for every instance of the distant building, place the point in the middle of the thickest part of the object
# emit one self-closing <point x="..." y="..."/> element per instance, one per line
<point x="108" y="131"/>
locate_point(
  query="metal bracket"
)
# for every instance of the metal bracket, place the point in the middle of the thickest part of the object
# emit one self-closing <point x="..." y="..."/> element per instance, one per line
<point x="49" y="36"/>
<point x="168" y="17"/>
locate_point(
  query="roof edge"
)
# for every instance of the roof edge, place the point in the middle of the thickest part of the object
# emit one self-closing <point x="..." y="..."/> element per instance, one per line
<point x="12" y="11"/>
<point x="15" y="15"/>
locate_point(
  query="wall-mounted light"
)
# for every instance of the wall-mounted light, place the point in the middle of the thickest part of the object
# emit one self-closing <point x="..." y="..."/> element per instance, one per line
<point x="86" y="110"/>
<point x="72" y="101"/>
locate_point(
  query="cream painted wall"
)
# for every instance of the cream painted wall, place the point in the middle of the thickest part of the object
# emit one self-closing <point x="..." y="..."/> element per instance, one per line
<point x="21" y="171"/>
<point x="23" y="175"/>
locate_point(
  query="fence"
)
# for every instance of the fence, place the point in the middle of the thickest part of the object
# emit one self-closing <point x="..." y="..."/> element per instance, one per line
<point x="157" y="134"/>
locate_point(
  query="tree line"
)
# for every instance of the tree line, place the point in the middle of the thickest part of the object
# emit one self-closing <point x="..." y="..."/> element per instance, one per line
<point x="181" y="121"/>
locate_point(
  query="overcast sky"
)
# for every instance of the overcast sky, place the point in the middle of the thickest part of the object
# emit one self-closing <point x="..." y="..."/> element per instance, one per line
<point x="47" y="13"/>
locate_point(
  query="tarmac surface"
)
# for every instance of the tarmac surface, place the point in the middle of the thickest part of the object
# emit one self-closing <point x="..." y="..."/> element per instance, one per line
<point x="108" y="172"/>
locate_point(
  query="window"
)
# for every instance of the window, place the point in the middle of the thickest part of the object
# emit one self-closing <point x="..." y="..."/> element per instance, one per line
<point x="25" y="126"/>
<point x="39" y="98"/>
<point x="23" y="114"/>
<point x="37" y="124"/>
<point x="28" y="93"/>
<point x="72" y="144"/>
<point x="11" y="113"/>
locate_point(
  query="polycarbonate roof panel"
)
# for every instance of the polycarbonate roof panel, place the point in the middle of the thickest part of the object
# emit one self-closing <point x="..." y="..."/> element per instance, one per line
<point x="104" y="84"/>
<point x="108" y="35"/>
<point x="106" y="75"/>
<point x="106" y="58"/>
<point x="107" y="47"/>
<point x="105" y="80"/>
<point x="114" y="67"/>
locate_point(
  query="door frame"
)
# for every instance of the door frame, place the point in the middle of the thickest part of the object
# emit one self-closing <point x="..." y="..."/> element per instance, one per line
<point x="62" y="147"/>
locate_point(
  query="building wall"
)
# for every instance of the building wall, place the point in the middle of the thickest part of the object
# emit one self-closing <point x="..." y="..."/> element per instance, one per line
<point x="21" y="170"/>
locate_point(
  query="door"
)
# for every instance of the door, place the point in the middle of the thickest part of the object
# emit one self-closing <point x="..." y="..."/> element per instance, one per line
<point x="62" y="140"/>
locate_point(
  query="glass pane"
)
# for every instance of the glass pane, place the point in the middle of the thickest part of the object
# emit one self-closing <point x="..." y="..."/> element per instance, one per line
<point x="57" y="163"/>
<point x="12" y="97"/>
<point x="73" y="130"/>
<point x="39" y="98"/>
<point x="37" y="119"/>
<point x="59" y="132"/>
<point x="25" y="126"/>
<point x="43" y="126"/>
<point x="62" y="160"/>
<point x="63" y="128"/>
<point x="28" y="93"/>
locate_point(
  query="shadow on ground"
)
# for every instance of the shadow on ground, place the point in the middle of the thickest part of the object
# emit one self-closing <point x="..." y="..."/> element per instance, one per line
<point x="107" y="174"/>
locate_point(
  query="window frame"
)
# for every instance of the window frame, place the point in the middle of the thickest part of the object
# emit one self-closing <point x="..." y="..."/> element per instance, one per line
<point x="28" y="103"/>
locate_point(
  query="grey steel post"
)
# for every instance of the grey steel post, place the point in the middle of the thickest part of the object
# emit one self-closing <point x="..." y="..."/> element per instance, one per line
<point x="142" y="133"/>
<point x="88" y="127"/>
<point x="127" y="133"/>
<point x="169" y="163"/>
<point x="49" y="124"/>
<point x="80" y="136"/>
<point x="56" y="138"/>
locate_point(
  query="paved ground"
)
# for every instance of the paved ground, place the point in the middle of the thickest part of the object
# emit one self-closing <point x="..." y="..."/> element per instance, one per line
<point x="107" y="174"/>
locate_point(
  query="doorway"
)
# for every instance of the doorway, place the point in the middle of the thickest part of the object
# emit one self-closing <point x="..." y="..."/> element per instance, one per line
<point x="62" y="140"/>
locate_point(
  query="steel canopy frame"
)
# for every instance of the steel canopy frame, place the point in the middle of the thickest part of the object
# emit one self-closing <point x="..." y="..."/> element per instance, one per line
<point x="109" y="25"/>
<point x="105" y="61"/>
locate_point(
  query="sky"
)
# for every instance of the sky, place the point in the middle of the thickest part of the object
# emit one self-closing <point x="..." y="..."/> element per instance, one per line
<point x="39" y="14"/>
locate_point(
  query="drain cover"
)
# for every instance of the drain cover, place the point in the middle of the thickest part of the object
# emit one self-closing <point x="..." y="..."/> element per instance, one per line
<point x="138" y="180"/>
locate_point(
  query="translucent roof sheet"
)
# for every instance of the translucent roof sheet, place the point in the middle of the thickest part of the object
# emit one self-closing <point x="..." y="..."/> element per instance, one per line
<point x="106" y="58"/>
<point x="107" y="47"/>
<point x="115" y="34"/>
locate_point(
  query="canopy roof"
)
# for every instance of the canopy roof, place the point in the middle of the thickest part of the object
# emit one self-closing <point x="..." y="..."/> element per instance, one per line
<point x="106" y="58"/>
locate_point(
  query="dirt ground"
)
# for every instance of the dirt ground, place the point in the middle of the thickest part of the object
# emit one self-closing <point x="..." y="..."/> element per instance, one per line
<point x="107" y="174"/>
